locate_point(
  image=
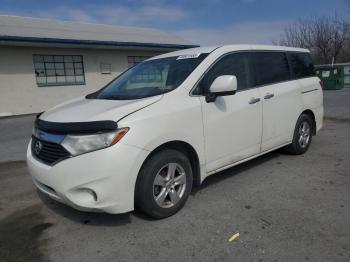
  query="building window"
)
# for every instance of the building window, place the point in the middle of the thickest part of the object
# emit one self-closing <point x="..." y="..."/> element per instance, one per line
<point x="150" y="74"/>
<point x="57" y="70"/>
<point x="106" y="68"/>
<point x="134" y="60"/>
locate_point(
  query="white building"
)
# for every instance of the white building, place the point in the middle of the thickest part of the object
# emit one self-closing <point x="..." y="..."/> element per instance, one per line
<point x="44" y="62"/>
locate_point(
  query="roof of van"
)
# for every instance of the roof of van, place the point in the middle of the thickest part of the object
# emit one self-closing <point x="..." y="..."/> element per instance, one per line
<point x="230" y="48"/>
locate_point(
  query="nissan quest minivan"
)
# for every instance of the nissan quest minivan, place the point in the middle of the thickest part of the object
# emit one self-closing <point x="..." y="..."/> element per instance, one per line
<point x="146" y="138"/>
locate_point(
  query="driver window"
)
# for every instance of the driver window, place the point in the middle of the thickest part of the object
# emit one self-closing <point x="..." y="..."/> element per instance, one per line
<point x="237" y="64"/>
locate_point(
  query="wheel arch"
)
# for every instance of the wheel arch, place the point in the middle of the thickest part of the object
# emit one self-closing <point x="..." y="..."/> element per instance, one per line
<point x="185" y="148"/>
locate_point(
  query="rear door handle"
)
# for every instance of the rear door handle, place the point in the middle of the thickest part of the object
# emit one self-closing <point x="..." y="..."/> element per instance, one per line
<point x="269" y="95"/>
<point x="254" y="100"/>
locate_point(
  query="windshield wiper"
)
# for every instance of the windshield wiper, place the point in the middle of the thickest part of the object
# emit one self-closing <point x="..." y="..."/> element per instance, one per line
<point x="117" y="98"/>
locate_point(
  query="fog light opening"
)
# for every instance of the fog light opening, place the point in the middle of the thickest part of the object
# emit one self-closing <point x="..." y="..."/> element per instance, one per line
<point x="91" y="193"/>
<point x="84" y="196"/>
<point x="94" y="195"/>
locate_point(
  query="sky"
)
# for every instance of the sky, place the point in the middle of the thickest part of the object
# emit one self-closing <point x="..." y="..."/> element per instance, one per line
<point x="201" y="22"/>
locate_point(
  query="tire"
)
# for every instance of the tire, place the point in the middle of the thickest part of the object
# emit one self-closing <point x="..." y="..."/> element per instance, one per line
<point x="302" y="136"/>
<point x="164" y="184"/>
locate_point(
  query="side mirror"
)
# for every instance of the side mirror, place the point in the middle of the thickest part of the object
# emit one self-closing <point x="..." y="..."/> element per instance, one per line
<point x="222" y="86"/>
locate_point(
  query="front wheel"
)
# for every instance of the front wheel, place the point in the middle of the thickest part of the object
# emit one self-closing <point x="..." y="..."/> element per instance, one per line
<point x="164" y="184"/>
<point x="302" y="136"/>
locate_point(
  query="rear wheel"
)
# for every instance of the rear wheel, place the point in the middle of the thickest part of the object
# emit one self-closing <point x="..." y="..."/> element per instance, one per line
<point x="302" y="136"/>
<point x="164" y="184"/>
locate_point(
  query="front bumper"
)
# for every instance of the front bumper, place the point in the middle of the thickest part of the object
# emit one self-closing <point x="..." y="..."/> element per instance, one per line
<point x="100" y="181"/>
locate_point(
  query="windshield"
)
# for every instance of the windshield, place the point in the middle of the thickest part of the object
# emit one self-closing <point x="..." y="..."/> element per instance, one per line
<point x="150" y="78"/>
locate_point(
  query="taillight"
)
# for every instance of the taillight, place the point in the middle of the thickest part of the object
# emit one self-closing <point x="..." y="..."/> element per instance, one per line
<point x="321" y="84"/>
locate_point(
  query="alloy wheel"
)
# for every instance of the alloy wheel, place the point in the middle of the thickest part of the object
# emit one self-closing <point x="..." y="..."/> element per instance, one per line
<point x="304" y="134"/>
<point x="169" y="185"/>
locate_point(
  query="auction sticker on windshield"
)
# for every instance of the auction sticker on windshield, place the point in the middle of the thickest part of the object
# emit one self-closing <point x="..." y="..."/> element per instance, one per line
<point x="188" y="56"/>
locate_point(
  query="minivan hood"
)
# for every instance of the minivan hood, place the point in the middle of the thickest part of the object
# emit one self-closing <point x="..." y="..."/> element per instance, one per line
<point x="85" y="110"/>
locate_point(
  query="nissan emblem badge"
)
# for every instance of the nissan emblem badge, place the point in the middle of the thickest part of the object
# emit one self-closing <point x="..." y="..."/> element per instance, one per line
<point x="37" y="147"/>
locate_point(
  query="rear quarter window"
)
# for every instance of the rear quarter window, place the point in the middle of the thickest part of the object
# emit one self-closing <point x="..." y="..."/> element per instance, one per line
<point x="301" y="65"/>
<point x="270" y="67"/>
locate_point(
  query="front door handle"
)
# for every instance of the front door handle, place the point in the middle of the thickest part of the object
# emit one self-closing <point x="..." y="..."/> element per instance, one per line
<point x="254" y="100"/>
<point x="269" y="95"/>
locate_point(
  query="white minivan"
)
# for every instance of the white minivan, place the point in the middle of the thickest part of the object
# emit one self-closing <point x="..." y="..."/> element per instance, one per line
<point x="169" y="122"/>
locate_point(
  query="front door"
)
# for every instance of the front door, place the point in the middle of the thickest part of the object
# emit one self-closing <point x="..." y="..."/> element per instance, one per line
<point x="232" y="124"/>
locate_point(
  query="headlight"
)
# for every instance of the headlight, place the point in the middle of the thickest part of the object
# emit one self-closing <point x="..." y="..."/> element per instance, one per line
<point x="79" y="144"/>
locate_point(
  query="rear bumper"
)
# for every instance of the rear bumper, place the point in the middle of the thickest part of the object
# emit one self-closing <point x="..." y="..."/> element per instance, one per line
<point x="100" y="181"/>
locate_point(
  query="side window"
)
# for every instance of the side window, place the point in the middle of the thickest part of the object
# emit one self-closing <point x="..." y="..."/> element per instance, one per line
<point x="237" y="64"/>
<point x="270" y="67"/>
<point x="301" y="65"/>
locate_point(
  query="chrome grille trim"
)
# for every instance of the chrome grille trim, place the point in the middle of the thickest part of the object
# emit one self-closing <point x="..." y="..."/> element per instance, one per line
<point x="50" y="153"/>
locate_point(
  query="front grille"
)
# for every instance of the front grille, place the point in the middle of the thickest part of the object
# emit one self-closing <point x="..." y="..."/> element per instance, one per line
<point x="49" y="152"/>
